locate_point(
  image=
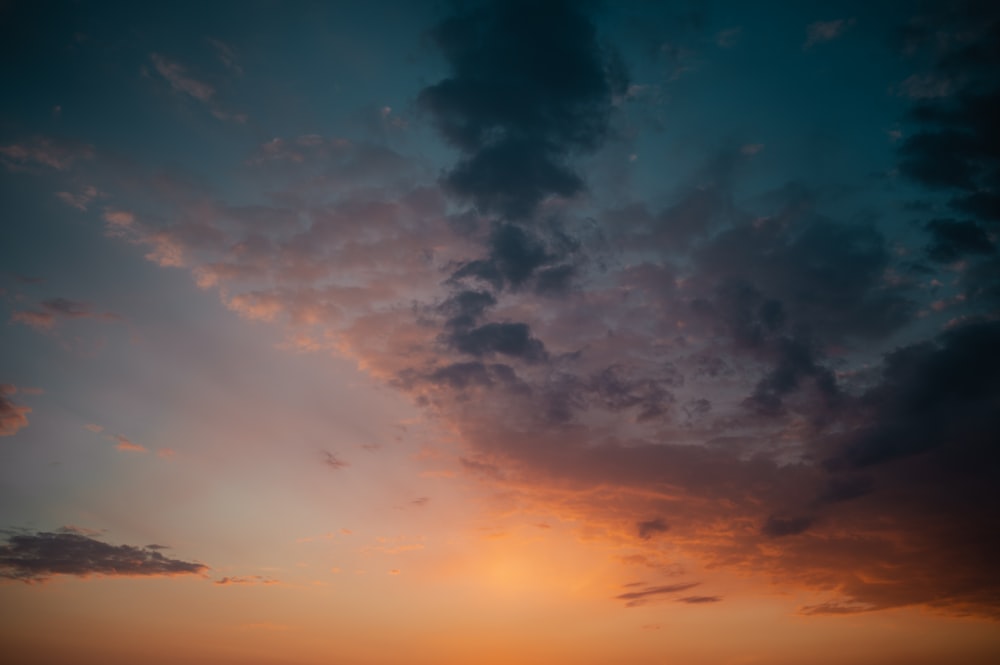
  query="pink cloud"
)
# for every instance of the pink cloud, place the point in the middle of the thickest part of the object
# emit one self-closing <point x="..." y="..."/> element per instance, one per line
<point x="50" y="312"/>
<point x="178" y="78"/>
<point x="125" y="445"/>
<point x="47" y="152"/>
<point x="13" y="416"/>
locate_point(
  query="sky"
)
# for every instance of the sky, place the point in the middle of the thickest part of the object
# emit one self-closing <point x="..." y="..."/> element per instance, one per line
<point x="537" y="332"/>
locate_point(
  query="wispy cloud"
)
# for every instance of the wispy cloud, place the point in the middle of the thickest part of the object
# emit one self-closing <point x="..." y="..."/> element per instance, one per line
<point x="635" y="598"/>
<point x="50" y="312"/>
<point x="44" y="151"/>
<point x="826" y="31"/>
<point x="333" y="461"/>
<point x="227" y="55"/>
<point x="180" y="81"/>
<point x="13" y="416"/>
<point x="126" y="445"/>
<point x="247" y="580"/>
<point x="81" y="200"/>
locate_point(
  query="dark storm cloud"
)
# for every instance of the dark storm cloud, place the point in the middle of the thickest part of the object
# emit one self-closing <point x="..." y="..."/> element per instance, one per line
<point x="530" y="87"/>
<point x="953" y="239"/>
<point x="956" y="145"/>
<point x="33" y="557"/>
<point x="932" y="394"/>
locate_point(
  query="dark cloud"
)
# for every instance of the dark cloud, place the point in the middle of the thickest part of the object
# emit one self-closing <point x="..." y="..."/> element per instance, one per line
<point x="776" y="527"/>
<point x="539" y="258"/>
<point x="34" y="557"/>
<point x="953" y="239"/>
<point x="509" y="339"/>
<point x="650" y="528"/>
<point x="617" y="388"/>
<point x="793" y="362"/>
<point x="802" y="272"/>
<point x="463" y="377"/>
<point x="530" y="87"/>
<point x="635" y="598"/>
<point x="846" y="488"/>
<point x="932" y="394"/>
<point x="466" y="307"/>
<point x="699" y="600"/>
<point x="956" y="143"/>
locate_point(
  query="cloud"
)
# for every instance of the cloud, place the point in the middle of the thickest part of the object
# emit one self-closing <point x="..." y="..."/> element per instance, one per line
<point x="13" y="416"/>
<point x="826" y="31"/>
<point x="227" y="55"/>
<point x="954" y="239"/>
<point x="636" y="598"/>
<point x="699" y="600"/>
<point x="728" y="38"/>
<point x="776" y="527"/>
<point x="530" y="87"/>
<point x="50" y="312"/>
<point x="953" y="147"/>
<point x="57" y="154"/>
<point x="761" y="372"/>
<point x="36" y="557"/>
<point x="249" y="580"/>
<point x="176" y="75"/>
<point x="333" y="461"/>
<point x="125" y="445"/>
<point x="513" y="340"/>
<point x="650" y="528"/>
<point x="80" y="200"/>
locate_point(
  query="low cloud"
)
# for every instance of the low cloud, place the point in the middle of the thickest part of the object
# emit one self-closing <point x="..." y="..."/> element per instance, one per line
<point x="36" y="557"/>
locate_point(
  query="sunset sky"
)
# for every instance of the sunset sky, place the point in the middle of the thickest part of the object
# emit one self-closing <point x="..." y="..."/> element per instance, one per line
<point x="378" y="333"/>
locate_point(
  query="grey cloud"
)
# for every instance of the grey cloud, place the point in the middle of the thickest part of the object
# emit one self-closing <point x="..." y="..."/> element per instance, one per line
<point x="33" y="557"/>
<point x="776" y="527"/>
<point x="530" y="86"/>
<point x="510" y="339"/>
